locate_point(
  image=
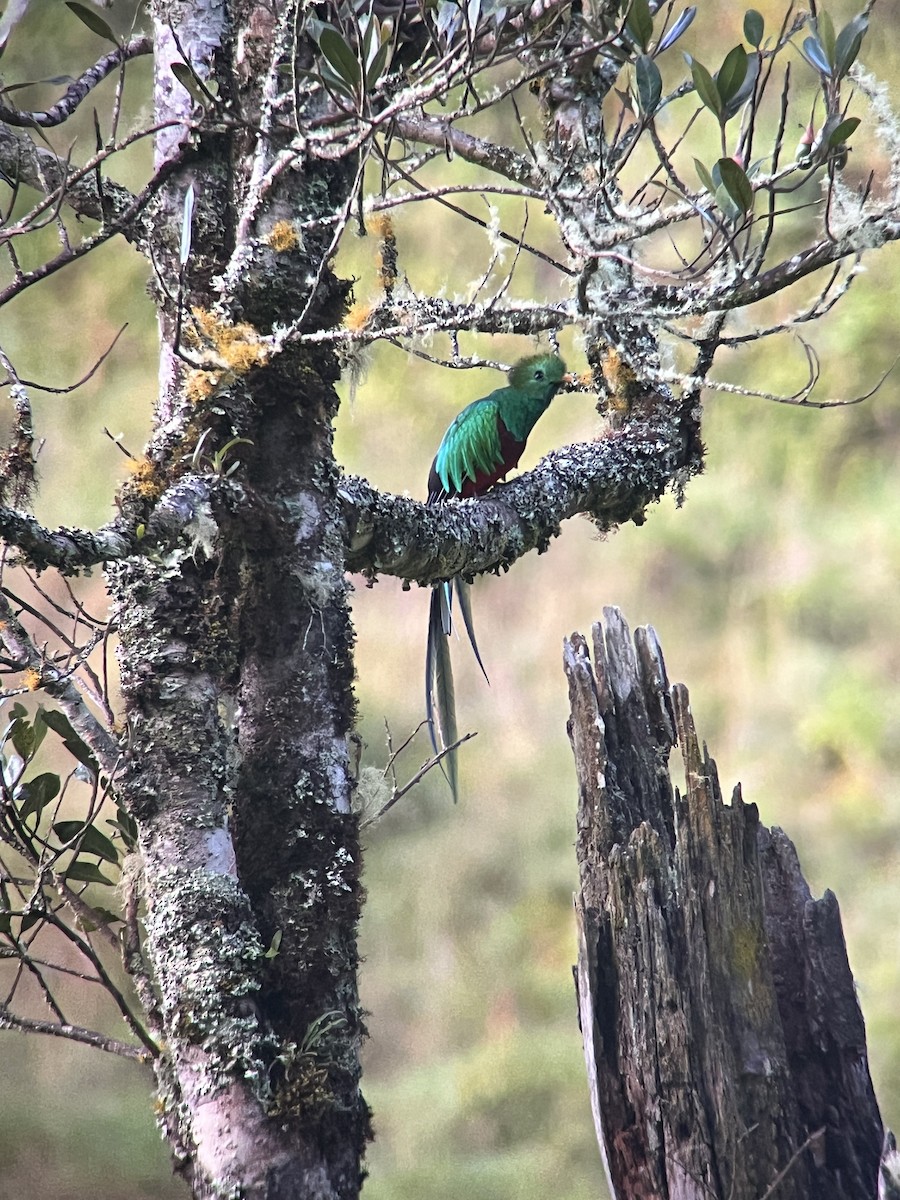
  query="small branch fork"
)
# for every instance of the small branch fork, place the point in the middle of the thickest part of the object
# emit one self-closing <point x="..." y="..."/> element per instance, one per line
<point x="398" y="790"/>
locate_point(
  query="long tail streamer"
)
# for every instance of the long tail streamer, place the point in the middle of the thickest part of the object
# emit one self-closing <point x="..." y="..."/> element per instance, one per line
<point x="440" y="697"/>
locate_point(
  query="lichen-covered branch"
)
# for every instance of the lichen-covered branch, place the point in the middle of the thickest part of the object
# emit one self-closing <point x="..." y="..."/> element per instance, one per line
<point x="69" y="550"/>
<point x="36" y="167"/>
<point x="611" y="480"/>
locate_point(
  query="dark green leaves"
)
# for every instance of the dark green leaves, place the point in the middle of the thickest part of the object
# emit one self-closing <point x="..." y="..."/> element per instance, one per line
<point x="705" y="86"/>
<point x="649" y="84"/>
<point x="754" y="27"/>
<point x="89" y="839"/>
<point x="190" y="82"/>
<point x="726" y="92"/>
<point x="729" y="185"/>
<point x="734" y="195"/>
<point x="79" y="749"/>
<point x="86" y="872"/>
<point x="93" y="20"/>
<point x="849" y="44"/>
<point x="841" y="132"/>
<point x="37" y="793"/>
<point x="340" y="57"/>
<point x="834" y="56"/>
<point x="732" y="74"/>
<point x="346" y="70"/>
<point x="639" y="23"/>
<point x="26" y="736"/>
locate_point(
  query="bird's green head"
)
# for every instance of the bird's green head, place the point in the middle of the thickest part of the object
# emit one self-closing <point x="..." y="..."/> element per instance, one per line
<point x="539" y="375"/>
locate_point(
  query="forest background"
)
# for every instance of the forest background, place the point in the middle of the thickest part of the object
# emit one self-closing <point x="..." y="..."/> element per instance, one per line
<point x="773" y="590"/>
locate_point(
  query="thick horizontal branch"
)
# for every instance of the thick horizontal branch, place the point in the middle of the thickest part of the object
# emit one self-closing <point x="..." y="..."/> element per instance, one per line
<point x="80" y="88"/>
<point x="69" y="550"/>
<point x="611" y="480"/>
<point x="24" y="162"/>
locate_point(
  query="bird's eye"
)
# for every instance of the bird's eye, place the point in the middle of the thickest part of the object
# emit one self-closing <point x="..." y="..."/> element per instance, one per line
<point x="539" y="374"/>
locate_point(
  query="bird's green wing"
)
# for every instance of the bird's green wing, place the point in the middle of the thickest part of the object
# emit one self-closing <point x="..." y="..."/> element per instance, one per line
<point x="471" y="446"/>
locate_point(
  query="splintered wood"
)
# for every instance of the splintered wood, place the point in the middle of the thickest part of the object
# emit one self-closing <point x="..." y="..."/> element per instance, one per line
<point x="724" y="1044"/>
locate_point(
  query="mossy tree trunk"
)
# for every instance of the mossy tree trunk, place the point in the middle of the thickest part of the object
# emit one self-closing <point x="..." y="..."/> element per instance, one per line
<point x="236" y="652"/>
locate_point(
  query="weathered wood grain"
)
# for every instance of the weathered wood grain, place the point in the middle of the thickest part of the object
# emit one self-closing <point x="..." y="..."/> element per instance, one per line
<point x="724" y="1043"/>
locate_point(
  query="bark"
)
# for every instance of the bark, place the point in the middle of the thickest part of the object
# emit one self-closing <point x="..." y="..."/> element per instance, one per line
<point x="724" y="1043"/>
<point x="236" y="654"/>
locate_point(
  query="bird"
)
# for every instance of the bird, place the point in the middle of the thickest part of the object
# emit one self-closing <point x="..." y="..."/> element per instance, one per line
<point x="482" y="444"/>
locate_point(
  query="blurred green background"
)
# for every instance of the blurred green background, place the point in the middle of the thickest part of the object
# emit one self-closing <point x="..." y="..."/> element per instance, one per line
<point x="773" y="591"/>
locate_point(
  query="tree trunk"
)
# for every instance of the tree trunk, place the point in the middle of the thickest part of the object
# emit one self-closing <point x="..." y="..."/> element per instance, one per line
<point x="236" y="649"/>
<point x="724" y="1043"/>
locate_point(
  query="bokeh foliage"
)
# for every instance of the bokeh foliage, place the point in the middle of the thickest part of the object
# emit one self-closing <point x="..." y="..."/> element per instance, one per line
<point x="772" y="590"/>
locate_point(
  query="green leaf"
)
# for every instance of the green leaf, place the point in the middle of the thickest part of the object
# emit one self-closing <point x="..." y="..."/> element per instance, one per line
<point x="189" y="82"/>
<point x="754" y="27"/>
<point x="840" y="134"/>
<point x="126" y="826"/>
<point x="90" y="840"/>
<point x="104" y="916"/>
<point x="848" y="44"/>
<point x="639" y="23"/>
<point x="823" y="28"/>
<point x="376" y="68"/>
<point x="85" y="872"/>
<point x="94" y="22"/>
<point x="275" y="944"/>
<point x="706" y="87"/>
<point x="26" y="736"/>
<point x="735" y="183"/>
<point x="37" y="793"/>
<point x="815" y="54"/>
<point x="731" y="74"/>
<point x="61" y="725"/>
<point x="704" y="176"/>
<point x="340" y="57"/>
<point x="649" y="83"/>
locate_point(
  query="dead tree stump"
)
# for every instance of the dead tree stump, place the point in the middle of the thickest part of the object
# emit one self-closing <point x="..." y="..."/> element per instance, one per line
<point x="725" y="1047"/>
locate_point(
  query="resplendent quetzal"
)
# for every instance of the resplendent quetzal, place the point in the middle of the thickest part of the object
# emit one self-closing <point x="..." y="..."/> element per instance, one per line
<point x="484" y="442"/>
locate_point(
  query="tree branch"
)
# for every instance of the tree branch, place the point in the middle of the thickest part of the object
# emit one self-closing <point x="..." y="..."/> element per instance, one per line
<point x="74" y="1033"/>
<point x="21" y="160"/>
<point x="69" y="550"/>
<point x="432" y="131"/>
<point x="58" y="684"/>
<point x="611" y="480"/>
<point x="80" y="88"/>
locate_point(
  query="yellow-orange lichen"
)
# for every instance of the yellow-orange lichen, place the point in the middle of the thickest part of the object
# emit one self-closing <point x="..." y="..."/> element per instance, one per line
<point x="380" y="225"/>
<point x="358" y="315"/>
<point x="238" y="348"/>
<point x="200" y="385"/>
<point x="145" y="478"/>
<point x="283" y="237"/>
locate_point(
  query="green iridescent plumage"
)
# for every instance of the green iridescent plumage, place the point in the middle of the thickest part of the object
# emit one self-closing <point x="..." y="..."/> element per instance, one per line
<point x="484" y="442"/>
